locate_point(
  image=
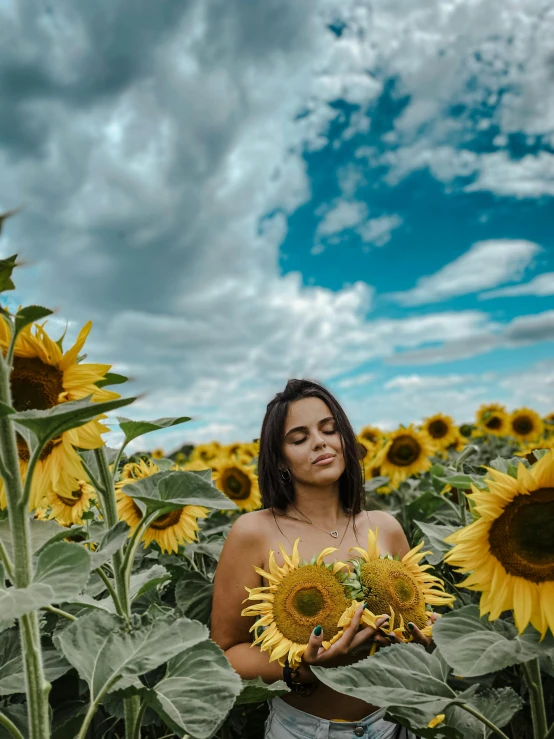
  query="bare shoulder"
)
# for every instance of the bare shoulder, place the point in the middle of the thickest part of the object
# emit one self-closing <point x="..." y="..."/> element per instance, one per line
<point x="252" y="526"/>
<point x="390" y="531"/>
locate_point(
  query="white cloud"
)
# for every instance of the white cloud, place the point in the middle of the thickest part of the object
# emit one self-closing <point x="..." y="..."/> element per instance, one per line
<point x="345" y="214"/>
<point x="415" y="382"/>
<point x="357" y="381"/>
<point x="378" y="231"/>
<point x="541" y="285"/>
<point x="486" y="264"/>
<point x="529" y="177"/>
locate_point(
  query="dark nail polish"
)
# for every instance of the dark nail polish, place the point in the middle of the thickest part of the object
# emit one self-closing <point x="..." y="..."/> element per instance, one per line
<point x="365" y="606"/>
<point x="411" y="626"/>
<point x="318" y="630"/>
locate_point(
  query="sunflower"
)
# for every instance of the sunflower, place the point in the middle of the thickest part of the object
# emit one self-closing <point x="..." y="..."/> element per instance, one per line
<point x="492" y="419"/>
<point x="170" y="530"/>
<point x="371" y="434"/>
<point x="366" y="448"/>
<point x="239" y="483"/>
<point x="205" y="452"/>
<point x="69" y="509"/>
<point x="549" y="419"/>
<point x="373" y="470"/>
<point x="406" y="453"/>
<point x="525" y="424"/>
<point x="157" y="454"/>
<point x="509" y="549"/>
<point x="43" y="377"/>
<point x="400" y="588"/>
<point x="299" y="596"/>
<point x="441" y="429"/>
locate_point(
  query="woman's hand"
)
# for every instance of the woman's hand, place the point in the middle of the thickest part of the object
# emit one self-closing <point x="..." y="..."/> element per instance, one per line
<point x="350" y="641"/>
<point x="420" y="638"/>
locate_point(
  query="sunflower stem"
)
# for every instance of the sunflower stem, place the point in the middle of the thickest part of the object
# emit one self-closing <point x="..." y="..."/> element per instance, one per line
<point x="60" y="612"/>
<point x="532" y="673"/>
<point x="110" y="588"/>
<point x="483" y="719"/>
<point x="10" y="726"/>
<point x="110" y="510"/>
<point x="6" y="561"/>
<point x="462" y="507"/>
<point x="37" y="687"/>
<point x="92" y="477"/>
<point x="550" y="733"/>
<point x="134" y="712"/>
<point x="134" y="544"/>
<point x="35" y="456"/>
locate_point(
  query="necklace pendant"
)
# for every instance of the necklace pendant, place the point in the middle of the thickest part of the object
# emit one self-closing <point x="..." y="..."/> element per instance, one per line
<point x="334" y="533"/>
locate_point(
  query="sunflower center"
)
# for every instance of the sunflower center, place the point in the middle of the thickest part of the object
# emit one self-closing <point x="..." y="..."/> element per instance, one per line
<point x="387" y="583"/>
<point x="494" y="423"/>
<point x="308" y="601"/>
<point x="437" y="429"/>
<point x="522" y="425"/>
<point x="404" y="451"/>
<point x="305" y="597"/>
<point x="35" y="386"/>
<point x="70" y="502"/>
<point x="167" y="520"/>
<point x="521" y="537"/>
<point x="236" y="485"/>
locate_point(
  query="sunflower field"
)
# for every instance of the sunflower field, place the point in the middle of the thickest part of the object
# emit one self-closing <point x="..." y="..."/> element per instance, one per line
<point x="107" y="561"/>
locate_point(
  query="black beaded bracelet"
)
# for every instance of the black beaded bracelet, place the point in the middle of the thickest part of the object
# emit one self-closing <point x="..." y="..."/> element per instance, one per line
<point x="303" y="689"/>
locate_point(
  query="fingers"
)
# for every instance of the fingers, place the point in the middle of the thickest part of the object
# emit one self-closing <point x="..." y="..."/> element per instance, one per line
<point x="374" y="634"/>
<point x="417" y="636"/>
<point x="351" y="630"/>
<point x="314" y="645"/>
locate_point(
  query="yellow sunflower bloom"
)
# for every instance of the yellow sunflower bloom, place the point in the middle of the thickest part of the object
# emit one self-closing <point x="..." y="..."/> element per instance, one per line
<point x="406" y="453"/>
<point x="157" y="453"/>
<point x="68" y="510"/>
<point x="492" y="419"/>
<point x="238" y="482"/>
<point x="205" y="452"/>
<point x="176" y="528"/>
<point x="371" y="434"/>
<point x="43" y="377"/>
<point x="441" y="429"/>
<point x="525" y="424"/>
<point x="439" y="718"/>
<point x="299" y="597"/>
<point x="509" y="549"/>
<point x="399" y="588"/>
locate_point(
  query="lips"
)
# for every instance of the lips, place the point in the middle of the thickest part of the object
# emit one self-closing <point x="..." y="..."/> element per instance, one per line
<point x="323" y="456"/>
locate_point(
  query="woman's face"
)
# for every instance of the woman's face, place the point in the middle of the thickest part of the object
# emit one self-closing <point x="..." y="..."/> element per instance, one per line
<point x="310" y="432"/>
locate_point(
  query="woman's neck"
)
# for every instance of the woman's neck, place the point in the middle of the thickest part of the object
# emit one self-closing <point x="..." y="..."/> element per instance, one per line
<point x="322" y="506"/>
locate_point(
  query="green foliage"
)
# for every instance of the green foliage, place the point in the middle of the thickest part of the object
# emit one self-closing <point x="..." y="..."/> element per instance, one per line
<point x="134" y="429"/>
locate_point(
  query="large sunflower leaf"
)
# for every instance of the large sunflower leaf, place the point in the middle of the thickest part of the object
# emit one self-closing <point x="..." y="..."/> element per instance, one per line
<point x="177" y="489"/>
<point x="193" y="595"/>
<point x="111" y="542"/>
<point x="256" y="691"/>
<point x="12" y="676"/>
<point x="197" y="692"/>
<point x="400" y="675"/>
<point x="475" y="646"/>
<point x="133" y="429"/>
<point x="145" y="580"/>
<point x="103" y="651"/>
<point x="62" y="571"/>
<point x="52" y="422"/>
<point x="42" y="532"/>
<point x="434" y="538"/>
<point x="7" y="265"/>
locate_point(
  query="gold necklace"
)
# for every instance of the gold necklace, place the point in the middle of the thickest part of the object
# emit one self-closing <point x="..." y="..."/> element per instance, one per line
<point x="333" y="533"/>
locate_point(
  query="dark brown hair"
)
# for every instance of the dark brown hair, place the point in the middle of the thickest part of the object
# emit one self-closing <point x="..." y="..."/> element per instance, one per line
<point x="278" y="494"/>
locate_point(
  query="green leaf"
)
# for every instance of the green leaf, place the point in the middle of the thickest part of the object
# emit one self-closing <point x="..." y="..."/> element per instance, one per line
<point x="400" y="675"/>
<point x="145" y="580"/>
<point x="30" y="314"/>
<point x="375" y="482"/>
<point x="111" y="378"/>
<point x="177" y="489"/>
<point x="7" y="266"/>
<point x="17" y="713"/>
<point x="112" y="541"/>
<point x="498" y="705"/>
<point x="424" y="506"/>
<point x="6" y="410"/>
<point x="197" y="692"/>
<point x="464" y="482"/>
<point x="12" y="676"/>
<point x="62" y="571"/>
<point x="434" y="538"/>
<point x="52" y="422"/>
<point x="475" y="646"/>
<point x="256" y="691"/>
<point x="193" y="595"/>
<point x="133" y="429"/>
<point x="103" y="651"/>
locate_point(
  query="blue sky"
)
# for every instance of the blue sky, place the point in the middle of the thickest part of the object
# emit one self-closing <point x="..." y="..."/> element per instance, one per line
<point x="359" y="193"/>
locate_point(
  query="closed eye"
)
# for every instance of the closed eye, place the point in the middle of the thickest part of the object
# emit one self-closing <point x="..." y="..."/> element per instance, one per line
<point x="334" y="431"/>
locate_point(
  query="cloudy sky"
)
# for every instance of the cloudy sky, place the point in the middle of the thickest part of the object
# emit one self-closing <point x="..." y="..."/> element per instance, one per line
<point x="237" y="192"/>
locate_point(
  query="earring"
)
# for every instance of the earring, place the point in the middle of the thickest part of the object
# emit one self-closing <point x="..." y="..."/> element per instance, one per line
<point x="285" y="478"/>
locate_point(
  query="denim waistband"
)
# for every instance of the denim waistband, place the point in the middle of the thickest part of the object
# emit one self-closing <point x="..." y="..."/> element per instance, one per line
<point x="297" y="723"/>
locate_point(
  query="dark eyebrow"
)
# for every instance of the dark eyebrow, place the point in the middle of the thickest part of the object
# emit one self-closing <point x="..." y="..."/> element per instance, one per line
<point x="305" y="428"/>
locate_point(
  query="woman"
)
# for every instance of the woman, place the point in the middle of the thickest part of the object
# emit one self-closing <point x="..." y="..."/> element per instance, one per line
<point x="312" y="488"/>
